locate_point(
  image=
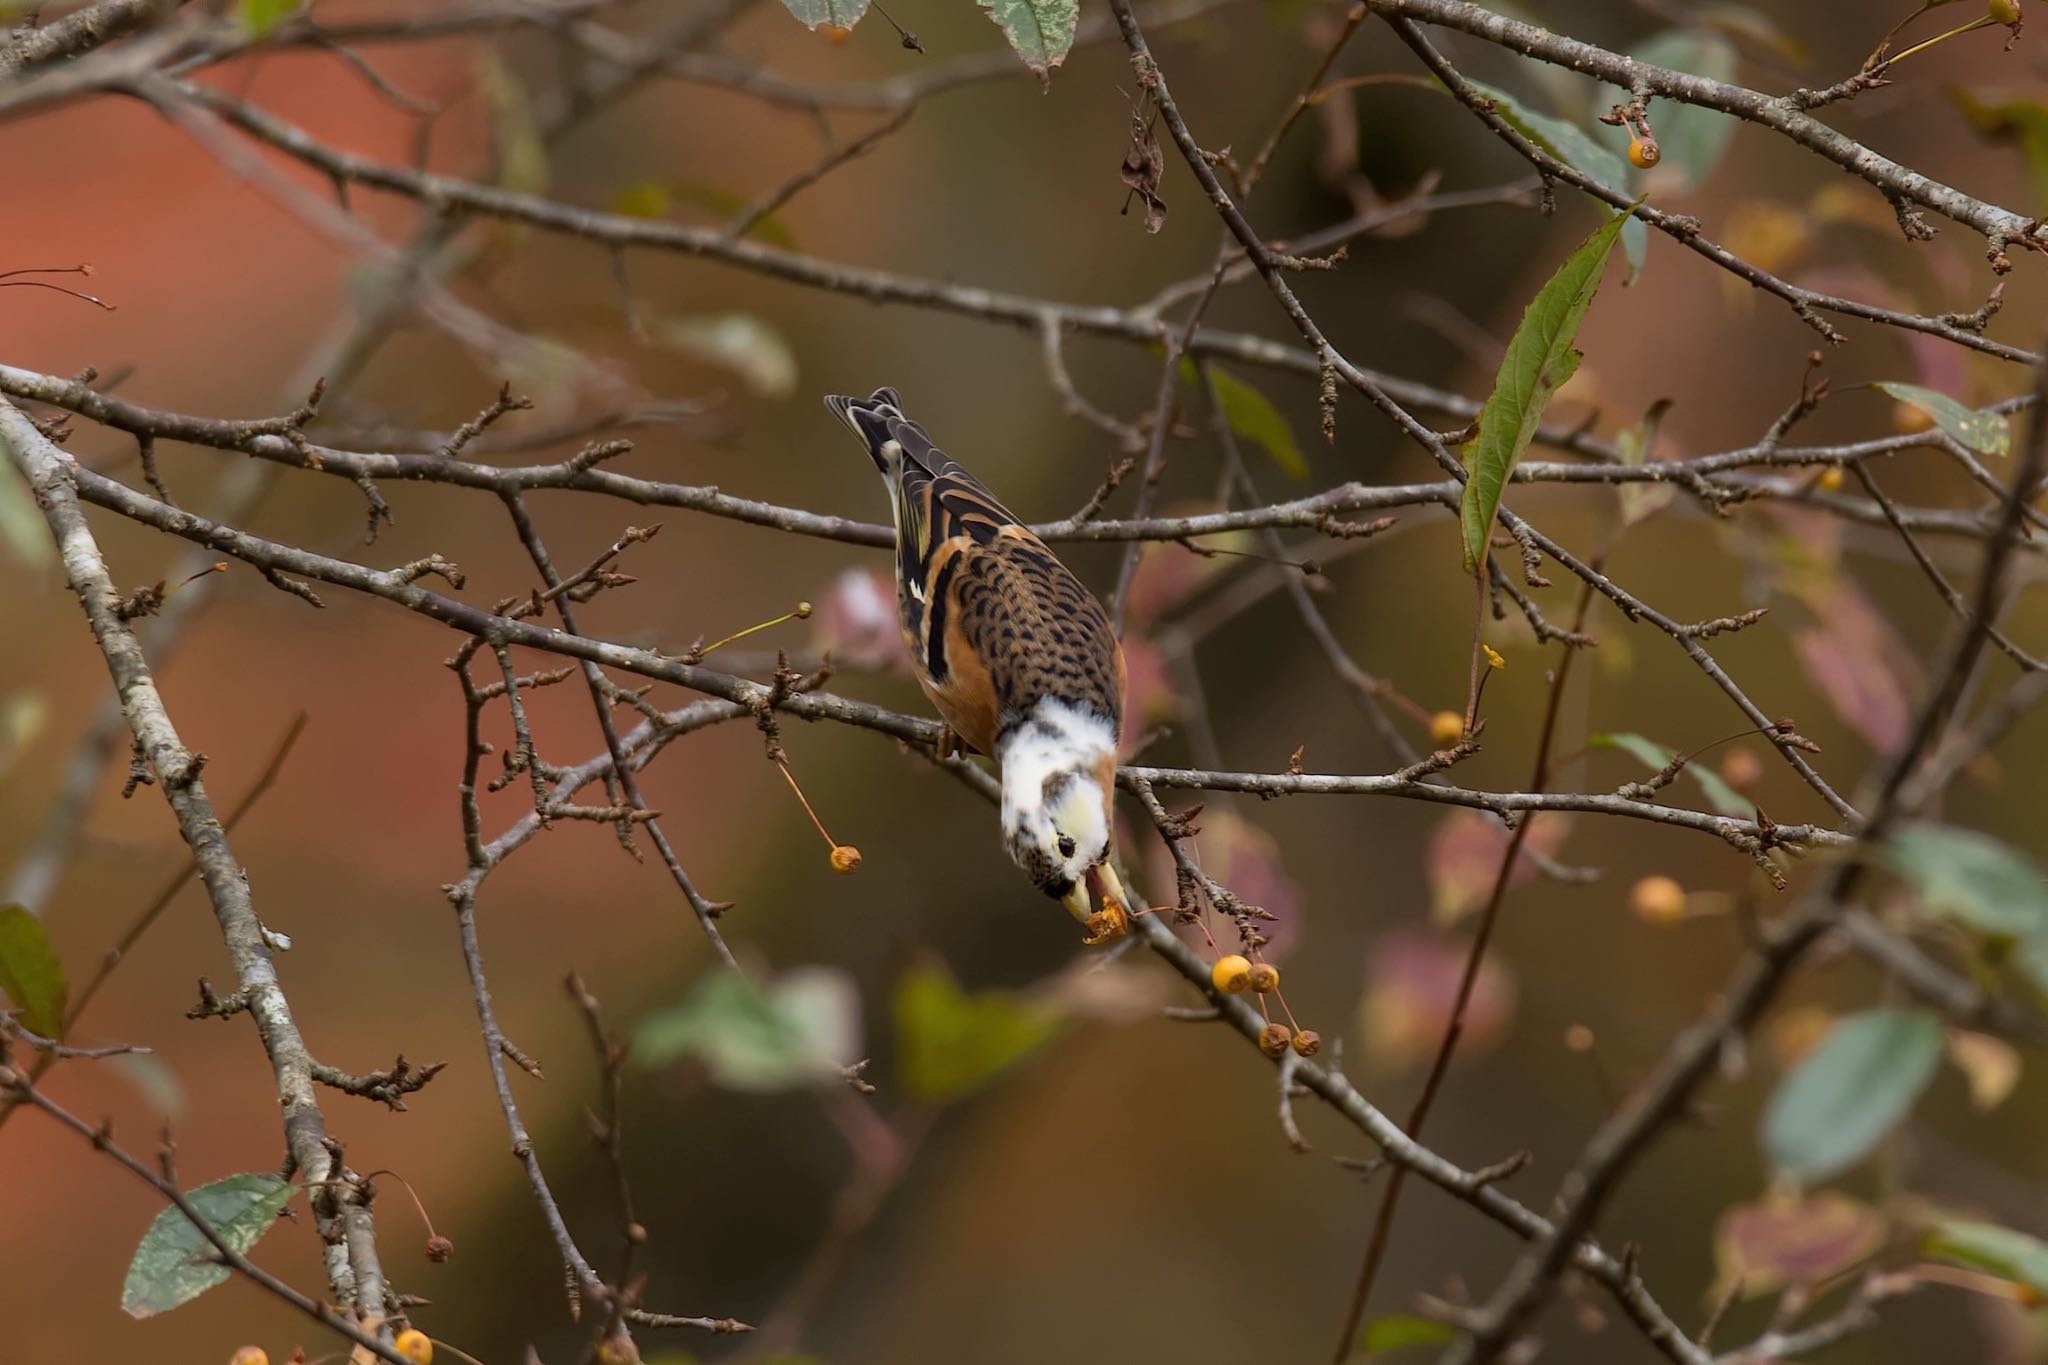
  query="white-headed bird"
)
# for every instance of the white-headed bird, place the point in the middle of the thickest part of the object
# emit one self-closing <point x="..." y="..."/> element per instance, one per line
<point x="1017" y="655"/>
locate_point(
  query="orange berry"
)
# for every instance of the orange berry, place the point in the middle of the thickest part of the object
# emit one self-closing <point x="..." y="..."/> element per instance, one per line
<point x="1830" y="480"/>
<point x="415" y="1346"/>
<point x="618" y="1350"/>
<point x="1578" y="1038"/>
<point x="1446" y="728"/>
<point x="1643" y="152"/>
<point x="1657" y="900"/>
<point x="845" y="859"/>
<point x="1274" y="1038"/>
<point x="250" y="1355"/>
<point x="1797" y="1032"/>
<point x="1265" y="977"/>
<point x="1231" y="974"/>
<point x="1307" y="1043"/>
<point x="1742" y="769"/>
<point x="1909" y="420"/>
<point x="836" y="35"/>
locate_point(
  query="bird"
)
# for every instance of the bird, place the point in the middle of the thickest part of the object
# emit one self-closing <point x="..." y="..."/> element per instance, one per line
<point x="1017" y="655"/>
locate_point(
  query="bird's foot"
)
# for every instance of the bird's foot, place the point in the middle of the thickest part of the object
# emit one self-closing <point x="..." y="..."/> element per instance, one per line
<point x="948" y="744"/>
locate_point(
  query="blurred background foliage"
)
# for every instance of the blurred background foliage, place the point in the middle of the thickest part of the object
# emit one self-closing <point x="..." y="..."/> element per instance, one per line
<point x="1064" y="1173"/>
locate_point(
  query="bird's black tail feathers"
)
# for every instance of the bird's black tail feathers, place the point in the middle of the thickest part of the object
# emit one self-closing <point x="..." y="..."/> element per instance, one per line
<point x="869" y="418"/>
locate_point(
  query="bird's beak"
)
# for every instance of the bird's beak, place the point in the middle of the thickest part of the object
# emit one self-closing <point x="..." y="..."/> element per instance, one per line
<point x="1077" y="900"/>
<point x="1109" y="888"/>
<point x="1113" y="920"/>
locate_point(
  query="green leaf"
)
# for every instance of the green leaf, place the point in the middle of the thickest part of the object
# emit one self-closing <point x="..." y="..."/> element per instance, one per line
<point x="1641" y="500"/>
<point x="1963" y="875"/>
<point x="1691" y="137"/>
<point x="1252" y="417"/>
<point x="155" y="1082"/>
<point x="802" y="1029"/>
<point x="651" y="198"/>
<point x="522" y="154"/>
<point x="1744" y="22"/>
<point x="1536" y="365"/>
<point x="1041" y="31"/>
<point x="30" y="975"/>
<point x="1985" y="1246"/>
<point x="1576" y="148"/>
<point x="833" y="13"/>
<point x="258" y="17"/>
<point x="1401" y="1331"/>
<point x="950" y="1043"/>
<point x="2022" y="121"/>
<point x="1851" y="1090"/>
<point x="1719" y="794"/>
<point x="21" y="719"/>
<point x="1987" y="433"/>
<point x="742" y="343"/>
<point x="2033" y="960"/>
<point x="22" y="528"/>
<point x="176" y="1263"/>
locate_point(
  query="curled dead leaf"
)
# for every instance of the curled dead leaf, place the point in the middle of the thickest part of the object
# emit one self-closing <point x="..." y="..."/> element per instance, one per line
<point x="1144" y="165"/>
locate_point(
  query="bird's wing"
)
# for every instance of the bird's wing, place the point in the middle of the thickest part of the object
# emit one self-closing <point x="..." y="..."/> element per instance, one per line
<point x="1008" y="611"/>
<point x="995" y="621"/>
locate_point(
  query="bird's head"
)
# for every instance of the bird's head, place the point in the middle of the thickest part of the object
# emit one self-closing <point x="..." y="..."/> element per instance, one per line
<point x="1056" y="826"/>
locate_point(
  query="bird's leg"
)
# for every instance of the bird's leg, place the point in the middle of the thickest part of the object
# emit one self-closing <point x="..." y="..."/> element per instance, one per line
<point x="948" y="744"/>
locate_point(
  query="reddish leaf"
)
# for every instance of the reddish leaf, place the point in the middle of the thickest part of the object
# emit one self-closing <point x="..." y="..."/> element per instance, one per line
<point x="1149" y="699"/>
<point x="1787" y="1240"/>
<point x="1857" y="660"/>
<point x="1464" y="857"/>
<point x="1411" y="985"/>
<point x="857" y="622"/>
<point x="1168" y="575"/>
<point x="1246" y="861"/>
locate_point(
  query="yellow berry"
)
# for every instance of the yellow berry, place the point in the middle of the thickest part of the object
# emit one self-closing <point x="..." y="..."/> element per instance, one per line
<point x="1830" y="480"/>
<point x="1308" y="1042"/>
<point x="1657" y="900"/>
<point x="1265" y="977"/>
<point x="1643" y="152"/>
<point x="1231" y="974"/>
<point x="1446" y="728"/>
<point x="845" y="859"/>
<point x="1274" y="1038"/>
<point x="618" y="1350"/>
<point x="415" y="1346"/>
<point x="2005" y="12"/>
<point x="250" y="1355"/>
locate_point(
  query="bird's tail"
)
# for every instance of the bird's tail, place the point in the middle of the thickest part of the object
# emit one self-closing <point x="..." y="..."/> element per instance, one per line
<point x="868" y="418"/>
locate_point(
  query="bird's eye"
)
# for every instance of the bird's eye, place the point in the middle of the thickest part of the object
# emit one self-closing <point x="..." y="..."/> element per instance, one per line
<point x="1066" y="845"/>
